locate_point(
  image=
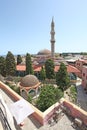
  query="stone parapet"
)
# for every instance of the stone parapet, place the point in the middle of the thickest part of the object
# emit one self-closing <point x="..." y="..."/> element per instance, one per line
<point x="43" y="117"/>
<point x="75" y="111"/>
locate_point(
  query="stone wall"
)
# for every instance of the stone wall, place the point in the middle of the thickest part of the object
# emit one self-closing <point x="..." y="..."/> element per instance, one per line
<point x="75" y="111"/>
<point x="48" y="114"/>
<point x="37" y="114"/>
<point x="43" y="117"/>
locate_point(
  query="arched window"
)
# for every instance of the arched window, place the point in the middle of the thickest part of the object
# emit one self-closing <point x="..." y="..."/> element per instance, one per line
<point x="32" y="92"/>
<point x="24" y="94"/>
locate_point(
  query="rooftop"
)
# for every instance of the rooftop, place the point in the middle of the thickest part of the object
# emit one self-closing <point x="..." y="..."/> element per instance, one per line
<point x="37" y="68"/>
<point x="44" y="52"/>
<point x="31" y="123"/>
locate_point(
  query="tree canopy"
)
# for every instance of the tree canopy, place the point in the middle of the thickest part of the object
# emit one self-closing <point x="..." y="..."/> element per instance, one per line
<point x="62" y="77"/>
<point x="48" y="96"/>
<point x="49" y="67"/>
<point x="10" y="64"/>
<point x="19" y="59"/>
<point x="2" y="66"/>
<point x="29" y="68"/>
<point x="42" y="74"/>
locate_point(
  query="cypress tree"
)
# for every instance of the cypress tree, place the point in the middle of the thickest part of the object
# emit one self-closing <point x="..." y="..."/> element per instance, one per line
<point x="10" y="64"/>
<point x="49" y="67"/>
<point x="2" y="66"/>
<point x="29" y="68"/>
<point x="19" y="59"/>
<point x="62" y="77"/>
<point x="42" y="74"/>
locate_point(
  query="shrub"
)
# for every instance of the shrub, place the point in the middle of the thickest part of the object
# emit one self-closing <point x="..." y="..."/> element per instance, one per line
<point x="73" y="93"/>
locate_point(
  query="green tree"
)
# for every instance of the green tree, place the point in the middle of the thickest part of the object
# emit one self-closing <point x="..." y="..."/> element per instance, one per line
<point x="46" y="97"/>
<point x="49" y="67"/>
<point x="29" y="68"/>
<point x="10" y="64"/>
<point x="73" y="93"/>
<point x="58" y="94"/>
<point x="42" y="74"/>
<point x="62" y="77"/>
<point x="29" y="98"/>
<point x="19" y="59"/>
<point x="2" y="66"/>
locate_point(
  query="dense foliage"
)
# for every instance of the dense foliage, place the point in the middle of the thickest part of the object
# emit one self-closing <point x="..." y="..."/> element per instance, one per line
<point x="58" y="94"/>
<point x="19" y="59"/>
<point x="73" y="93"/>
<point x="83" y="53"/>
<point x="15" y="88"/>
<point x="29" y="98"/>
<point x="49" y="67"/>
<point x="42" y="75"/>
<point x="29" y="68"/>
<point x="2" y="66"/>
<point x="48" y="96"/>
<point x="62" y="77"/>
<point x="10" y="64"/>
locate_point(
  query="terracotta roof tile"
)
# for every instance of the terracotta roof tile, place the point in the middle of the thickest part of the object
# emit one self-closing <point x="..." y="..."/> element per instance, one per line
<point x="20" y="67"/>
<point x="69" y="69"/>
<point x="38" y="68"/>
<point x="73" y="69"/>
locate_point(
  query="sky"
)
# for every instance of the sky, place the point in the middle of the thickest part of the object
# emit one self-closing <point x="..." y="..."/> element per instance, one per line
<point x="25" y="25"/>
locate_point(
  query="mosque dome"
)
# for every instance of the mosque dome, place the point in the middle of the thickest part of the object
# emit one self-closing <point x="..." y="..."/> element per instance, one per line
<point x="44" y="52"/>
<point x="29" y="81"/>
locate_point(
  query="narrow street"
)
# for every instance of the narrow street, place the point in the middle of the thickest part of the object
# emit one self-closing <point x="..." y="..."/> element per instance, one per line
<point x="81" y="96"/>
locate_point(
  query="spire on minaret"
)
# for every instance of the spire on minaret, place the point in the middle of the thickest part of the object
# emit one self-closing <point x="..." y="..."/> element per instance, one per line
<point x="52" y="39"/>
<point x="52" y="23"/>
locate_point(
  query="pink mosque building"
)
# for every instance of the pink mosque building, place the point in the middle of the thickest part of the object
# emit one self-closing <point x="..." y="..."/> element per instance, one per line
<point x="84" y="77"/>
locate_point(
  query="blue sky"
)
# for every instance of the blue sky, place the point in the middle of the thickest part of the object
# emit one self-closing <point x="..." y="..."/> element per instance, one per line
<point x="25" y="25"/>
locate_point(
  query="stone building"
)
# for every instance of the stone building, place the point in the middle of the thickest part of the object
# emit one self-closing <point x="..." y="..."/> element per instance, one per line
<point x="84" y="77"/>
<point x="29" y="85"/>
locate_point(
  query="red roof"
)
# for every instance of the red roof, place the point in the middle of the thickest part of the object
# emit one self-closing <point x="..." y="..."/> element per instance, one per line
<point x="73" y="69"/>
<point x="70" y="69"/>
<point x="20" y="67"/>
<point x="38" y="68"/>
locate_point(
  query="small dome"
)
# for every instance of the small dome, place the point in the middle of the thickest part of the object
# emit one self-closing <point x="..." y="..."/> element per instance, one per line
<point x="44" y="52"/>
<point x="29" y="81"/>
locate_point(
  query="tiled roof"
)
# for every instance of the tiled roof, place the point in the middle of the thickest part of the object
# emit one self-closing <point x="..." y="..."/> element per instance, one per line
<point x="69" y="69"/>
<point x="38" y="68"/>
<point x="20" y="67"/>
<point x="73" y="69"/>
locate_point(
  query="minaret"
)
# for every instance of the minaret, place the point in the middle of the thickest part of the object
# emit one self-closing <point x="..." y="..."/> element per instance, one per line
<point x="52" y="40"/>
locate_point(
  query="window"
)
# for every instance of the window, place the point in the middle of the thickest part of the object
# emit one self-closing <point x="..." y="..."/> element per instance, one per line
<point x="83" y="74"/>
